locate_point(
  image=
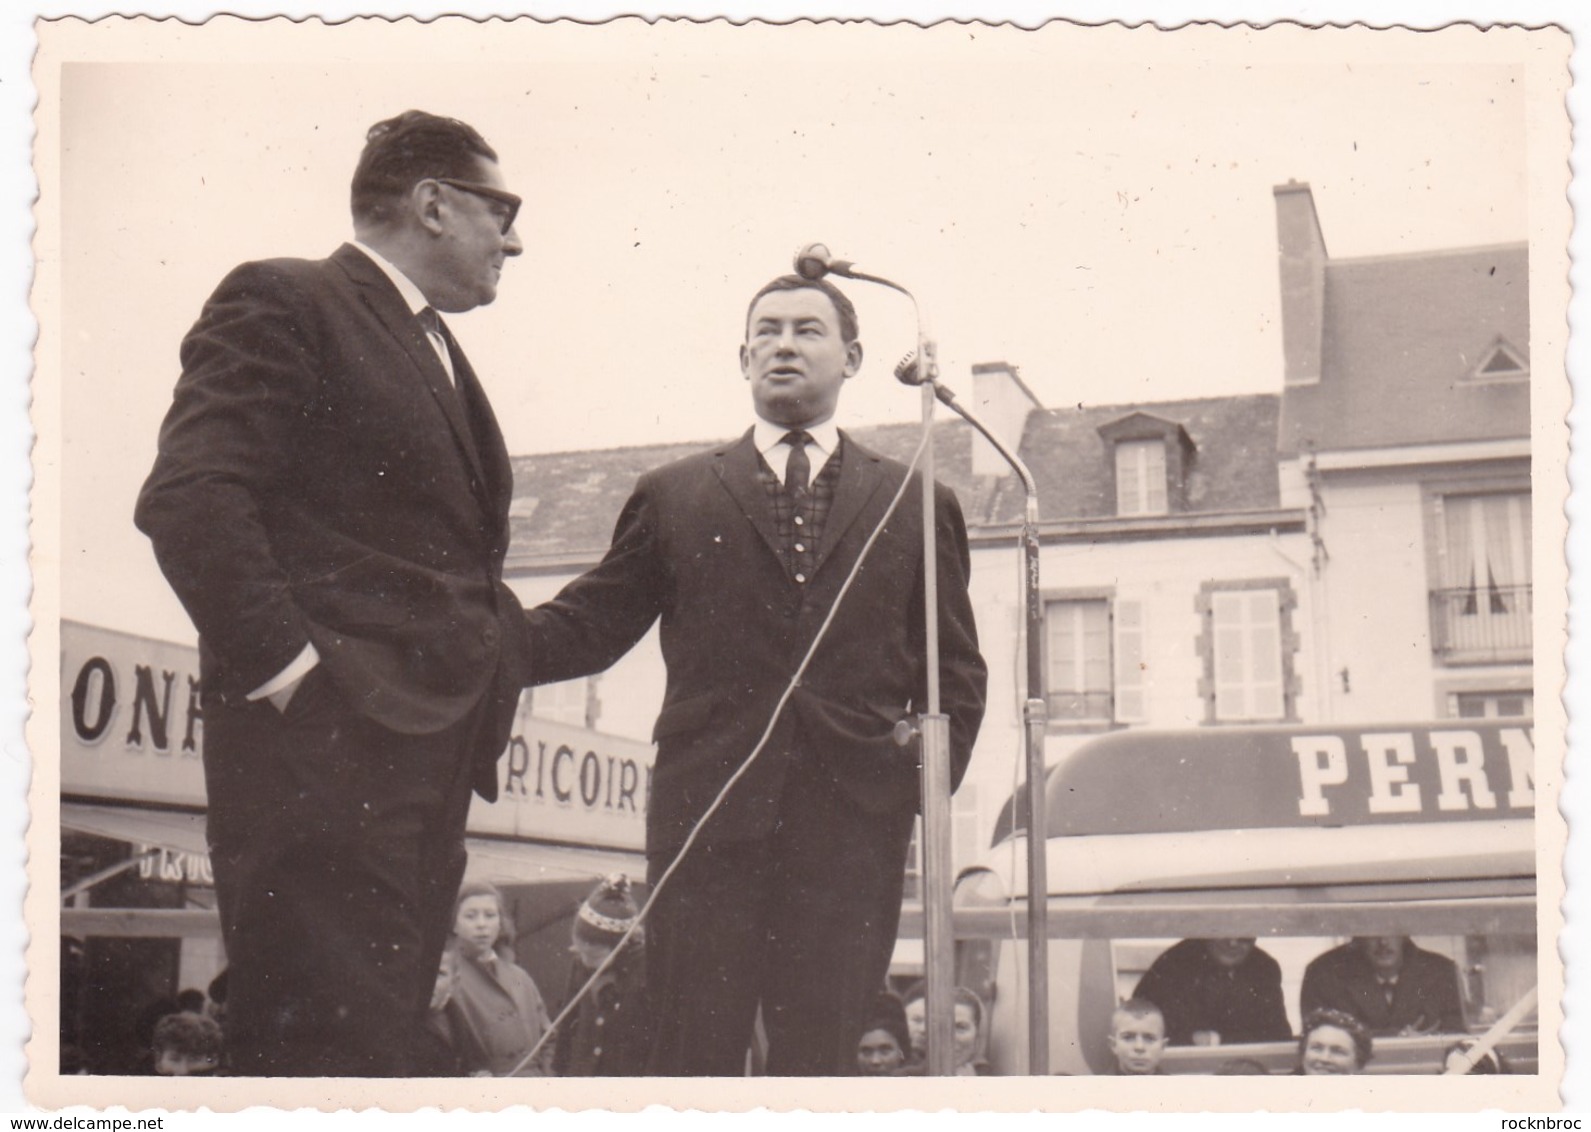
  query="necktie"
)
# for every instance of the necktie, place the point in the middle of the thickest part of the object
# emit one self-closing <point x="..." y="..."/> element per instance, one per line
<point x="798" y="472"/>
<point x="431" y="323"/>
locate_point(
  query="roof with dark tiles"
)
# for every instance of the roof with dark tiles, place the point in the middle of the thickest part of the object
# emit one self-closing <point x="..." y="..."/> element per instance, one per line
<point x="1402" y="338"/>
<point x="566" y="503"/>
<point x="1233" y="467"/>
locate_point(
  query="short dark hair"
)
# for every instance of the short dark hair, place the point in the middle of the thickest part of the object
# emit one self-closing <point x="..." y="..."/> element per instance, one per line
<point x="1139" y="1008"/>
<point x="842" y="305"/>
<point x="409" y="148"/>
<point x="1363" y="1047"/>
<point x="889" y="1015"/>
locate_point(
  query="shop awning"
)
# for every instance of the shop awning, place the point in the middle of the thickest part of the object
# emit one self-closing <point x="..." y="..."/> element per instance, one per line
<point x="501" y="862"/>
<point x="524" y="862"/>
<point x="167" y="829"/>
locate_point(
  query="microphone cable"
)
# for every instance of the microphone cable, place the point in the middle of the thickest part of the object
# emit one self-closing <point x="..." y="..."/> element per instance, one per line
<point x="778" y="710"/>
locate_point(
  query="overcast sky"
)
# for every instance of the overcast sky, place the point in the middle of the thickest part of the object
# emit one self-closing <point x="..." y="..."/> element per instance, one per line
<point x="1092" y="205"/>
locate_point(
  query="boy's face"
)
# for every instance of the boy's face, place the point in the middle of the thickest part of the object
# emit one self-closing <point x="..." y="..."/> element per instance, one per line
<point x="1137" y="1041"/>
<point x="170" y="1063"/>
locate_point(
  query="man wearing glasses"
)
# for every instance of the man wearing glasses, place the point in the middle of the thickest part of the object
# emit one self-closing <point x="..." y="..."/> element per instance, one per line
<point x="330" y="503"/>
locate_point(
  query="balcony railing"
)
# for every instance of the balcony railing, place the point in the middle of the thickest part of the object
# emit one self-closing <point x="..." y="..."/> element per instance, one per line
<point x="1078" y="707"/>
<point x="1481" y="623"/>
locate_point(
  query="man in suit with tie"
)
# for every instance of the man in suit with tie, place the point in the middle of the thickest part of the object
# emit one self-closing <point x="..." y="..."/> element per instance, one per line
<point x="790" y="899"/>
<point x="330" y="503"/>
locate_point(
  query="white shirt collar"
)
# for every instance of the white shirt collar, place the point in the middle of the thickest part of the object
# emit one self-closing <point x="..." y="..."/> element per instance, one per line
<point x="411" y="294"/>
<point x="825" y="439"/>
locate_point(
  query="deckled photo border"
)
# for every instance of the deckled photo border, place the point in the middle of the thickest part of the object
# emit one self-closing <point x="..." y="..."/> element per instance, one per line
<point x="1542" y="59"/>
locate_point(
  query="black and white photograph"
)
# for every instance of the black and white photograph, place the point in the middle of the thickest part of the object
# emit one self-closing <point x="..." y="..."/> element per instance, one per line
<point x="722" y="553"/>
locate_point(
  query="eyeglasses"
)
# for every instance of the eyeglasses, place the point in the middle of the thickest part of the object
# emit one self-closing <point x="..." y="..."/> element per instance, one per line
<point x="508" y="200"/>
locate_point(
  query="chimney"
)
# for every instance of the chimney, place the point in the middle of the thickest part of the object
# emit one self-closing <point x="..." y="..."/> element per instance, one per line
<point x="1002" y="401"/>
<point x="1302" y="258"/>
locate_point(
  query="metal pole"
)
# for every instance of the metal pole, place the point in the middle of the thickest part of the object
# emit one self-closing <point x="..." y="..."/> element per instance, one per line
<point x="1035" y="719"/>
<point x="938" y="940"/>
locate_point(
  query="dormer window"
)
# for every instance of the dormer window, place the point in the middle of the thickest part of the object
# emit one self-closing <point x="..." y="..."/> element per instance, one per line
<point x="1501" y="362"/>
<point x="1141" y="477"/>
<point x="1148" y="460"/>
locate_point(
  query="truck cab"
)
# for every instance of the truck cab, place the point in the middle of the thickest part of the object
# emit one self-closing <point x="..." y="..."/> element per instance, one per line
<point x="1301" y="837"/>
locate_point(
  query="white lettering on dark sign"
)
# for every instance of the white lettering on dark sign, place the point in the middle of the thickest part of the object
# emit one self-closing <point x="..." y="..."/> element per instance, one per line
<point x="174" y="866"/>
<point x="1421" y="773"/>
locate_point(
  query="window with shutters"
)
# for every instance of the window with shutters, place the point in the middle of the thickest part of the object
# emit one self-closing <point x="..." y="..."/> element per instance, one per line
<point x="1248" y="647"/>
<point x="1094" y="659"/>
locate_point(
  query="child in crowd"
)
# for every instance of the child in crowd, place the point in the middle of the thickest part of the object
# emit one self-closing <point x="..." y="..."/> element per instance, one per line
<point x="498" y="1003"/>
<point x="1137" y="1038"/>
<point x="610" y="1033"/>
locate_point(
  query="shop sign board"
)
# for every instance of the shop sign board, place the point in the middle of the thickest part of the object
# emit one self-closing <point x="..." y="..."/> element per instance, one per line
<point x="132" y="729"/>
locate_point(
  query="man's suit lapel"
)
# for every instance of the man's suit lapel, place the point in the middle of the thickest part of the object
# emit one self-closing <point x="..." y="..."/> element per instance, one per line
<point x="860" y="477"/>
<point x="383" y="300"/>
<point x="740" y="471"/>
<point x="490" y="453"/>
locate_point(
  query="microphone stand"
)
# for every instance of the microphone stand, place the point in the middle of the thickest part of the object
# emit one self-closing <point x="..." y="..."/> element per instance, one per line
<point x="812" y="262"/>
<point x="939" y="941"/>
<point x="1035" y="719"/>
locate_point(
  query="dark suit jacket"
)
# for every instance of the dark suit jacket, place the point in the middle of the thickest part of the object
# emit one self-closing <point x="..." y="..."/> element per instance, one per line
<point x="319" y="479"/>
<point x="1194" y="992"/>
<point x="696" y="547"/>
<point x="1426" y="998"/>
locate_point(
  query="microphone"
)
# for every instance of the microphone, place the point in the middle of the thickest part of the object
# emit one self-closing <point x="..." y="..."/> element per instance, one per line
<point x="814" y="262"/>
<point x="906" y="371"/>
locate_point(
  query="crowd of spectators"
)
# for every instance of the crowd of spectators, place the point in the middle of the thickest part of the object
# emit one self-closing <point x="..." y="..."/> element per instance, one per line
<point x="1223" y="992"/>
<point x="1212" y="992"/>
<point x="487" y="1013"/>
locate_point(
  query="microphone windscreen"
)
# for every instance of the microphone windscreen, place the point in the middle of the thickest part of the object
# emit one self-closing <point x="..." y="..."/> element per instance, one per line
<point x="812" y="261"/>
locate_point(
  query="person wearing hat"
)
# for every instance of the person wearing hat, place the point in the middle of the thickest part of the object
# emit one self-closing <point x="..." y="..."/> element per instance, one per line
<point x="610" y="1032"/>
